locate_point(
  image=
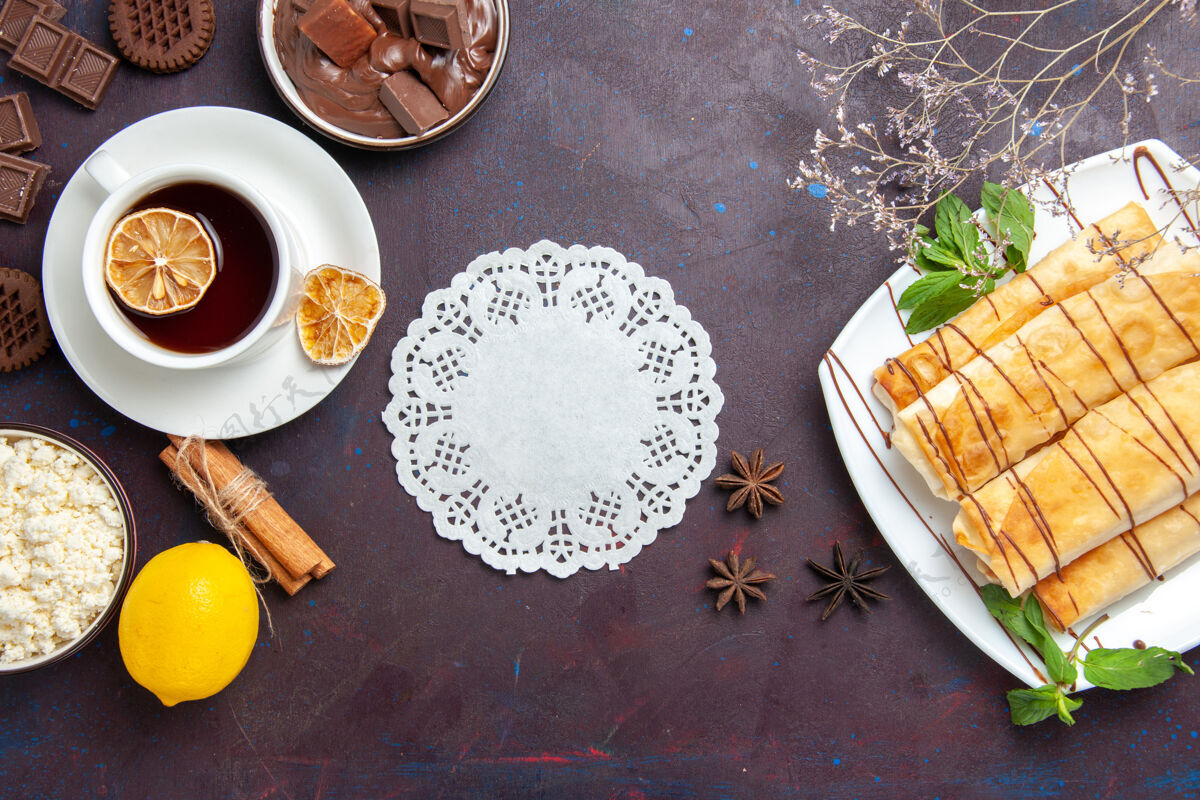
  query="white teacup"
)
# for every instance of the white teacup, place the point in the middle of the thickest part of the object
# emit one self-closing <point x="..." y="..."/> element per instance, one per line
<point x="124" y="192"/>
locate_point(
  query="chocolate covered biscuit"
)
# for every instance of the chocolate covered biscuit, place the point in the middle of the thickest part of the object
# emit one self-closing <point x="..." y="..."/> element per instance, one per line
<point x="162" y="35"/>
<point x="24" y="330"/>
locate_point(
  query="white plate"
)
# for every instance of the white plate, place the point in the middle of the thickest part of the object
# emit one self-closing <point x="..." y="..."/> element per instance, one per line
<point x="229" y="400"/>
<point x="916" y="524"/>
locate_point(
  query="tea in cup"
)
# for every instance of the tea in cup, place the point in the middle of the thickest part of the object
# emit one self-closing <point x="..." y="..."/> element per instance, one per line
<point x="239" y="313"/>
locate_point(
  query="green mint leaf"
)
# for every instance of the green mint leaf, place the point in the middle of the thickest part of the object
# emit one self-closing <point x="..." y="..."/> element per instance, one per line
<point x="1008" y="611"/>
<point x="1066" y="704"/>
<point x="1012" y="215"/>
<point x="1128" y="668"/>
<point x="1030" y="706"/>
<point x="1058" y="668"/>
<point x="1029" y="623"/>
<point x="967" y="238"/>
<point x="992" y="198"/>
<point x="1035" y="617"/>
<point x="922" y="263"/>
<point x="936" y="310"/>
<point x="926" y="288"/>
<point x="951" y="221"/>
<point x="940" y="258"/>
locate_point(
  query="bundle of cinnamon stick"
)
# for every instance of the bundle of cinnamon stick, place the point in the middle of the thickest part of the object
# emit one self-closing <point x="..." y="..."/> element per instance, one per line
<point x="266" y="531"/>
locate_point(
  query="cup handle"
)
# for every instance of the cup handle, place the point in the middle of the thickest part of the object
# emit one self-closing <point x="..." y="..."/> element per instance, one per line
<point x="105" y="171"/>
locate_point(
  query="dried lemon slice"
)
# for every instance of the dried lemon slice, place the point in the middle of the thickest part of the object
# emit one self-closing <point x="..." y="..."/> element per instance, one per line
<point x="160" y="261"/>
<point x="337" y="313"/>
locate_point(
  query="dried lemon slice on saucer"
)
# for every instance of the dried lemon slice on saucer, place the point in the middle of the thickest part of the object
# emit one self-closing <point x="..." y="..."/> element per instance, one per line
<point x="337" y="314"/>
<point x="159" y="261"/>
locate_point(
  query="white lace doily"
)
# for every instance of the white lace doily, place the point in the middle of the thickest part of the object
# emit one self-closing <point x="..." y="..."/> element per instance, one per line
<point x="554" y="409"/>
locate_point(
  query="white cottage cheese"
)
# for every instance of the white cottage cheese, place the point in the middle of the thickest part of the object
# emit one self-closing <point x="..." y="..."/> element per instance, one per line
<point x="61" y="544"/>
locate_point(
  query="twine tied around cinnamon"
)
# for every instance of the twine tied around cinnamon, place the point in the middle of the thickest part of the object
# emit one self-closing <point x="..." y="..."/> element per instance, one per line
<point x="227" y="507"/>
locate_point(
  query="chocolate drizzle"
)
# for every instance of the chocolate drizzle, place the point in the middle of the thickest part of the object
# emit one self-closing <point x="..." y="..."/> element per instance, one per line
<point x="1034" y="510"/>
<point x="1092" y="481"/>
<point x="1008" y="380"/>
<point x="829" y="361"/>
<point x="896" y="308"/>
<point x="1044" y="367"/>
<point x="966" y="388"/>
<point x="1175" y="425"/>
<point x="1092" y="347"/>
<point x="1103" y="471"/>
<point x="1141" y="152"/>
<point x="1139" y="554"/>
<point x="1033" y="363"/>
<point x="1116" y="338"/>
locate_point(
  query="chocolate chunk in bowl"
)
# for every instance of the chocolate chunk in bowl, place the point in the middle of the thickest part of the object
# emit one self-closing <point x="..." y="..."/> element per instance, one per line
<point x="345" y="103"/>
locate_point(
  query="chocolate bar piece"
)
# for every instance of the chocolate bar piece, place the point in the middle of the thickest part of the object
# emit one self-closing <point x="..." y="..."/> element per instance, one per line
<point x="44" y="50"/>
<point x="394" y="14"/>
<point x="439" y="23"/>
<point x="411" y="102"/>
<point x="16" y="16"/>
<point x="65" y="61"/>
<point x="88" y="74"/>
<point x="337" y="30"/>
<point x="19" y="131"/>
<point x="20" y="180"/>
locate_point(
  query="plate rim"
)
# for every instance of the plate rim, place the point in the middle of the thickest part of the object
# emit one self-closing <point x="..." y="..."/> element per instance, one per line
<point x="1018" y="658"/>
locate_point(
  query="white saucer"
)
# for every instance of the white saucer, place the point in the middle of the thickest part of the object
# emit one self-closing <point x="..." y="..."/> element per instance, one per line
<point x="226" y="401"/>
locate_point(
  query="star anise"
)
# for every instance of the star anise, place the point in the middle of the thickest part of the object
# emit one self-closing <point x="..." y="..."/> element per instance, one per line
<point x="736" y="580"/>
<point x="846" y="581"/>
<point x="751" y="484"/>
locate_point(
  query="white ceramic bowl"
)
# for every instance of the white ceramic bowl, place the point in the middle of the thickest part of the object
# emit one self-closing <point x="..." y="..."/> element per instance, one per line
<point x="15" y="430"/>
<point x="287" y="90"/>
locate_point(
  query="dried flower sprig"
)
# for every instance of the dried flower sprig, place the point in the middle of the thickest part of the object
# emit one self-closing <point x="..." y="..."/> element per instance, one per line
<point x="968" y="92"/>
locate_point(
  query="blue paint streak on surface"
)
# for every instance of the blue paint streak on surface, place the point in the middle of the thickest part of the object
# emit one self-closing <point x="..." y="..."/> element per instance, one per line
<point x="818" y="190"/>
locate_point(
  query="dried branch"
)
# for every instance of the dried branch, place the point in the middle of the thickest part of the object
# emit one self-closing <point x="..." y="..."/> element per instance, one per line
<point x="972" y="93"/>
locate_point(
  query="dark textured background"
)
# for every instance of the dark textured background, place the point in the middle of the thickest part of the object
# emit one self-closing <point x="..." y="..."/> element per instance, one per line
<point x="665" y="130"/>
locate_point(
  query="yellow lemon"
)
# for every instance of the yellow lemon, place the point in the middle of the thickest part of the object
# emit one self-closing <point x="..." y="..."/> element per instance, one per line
<point x="189" y="622"/>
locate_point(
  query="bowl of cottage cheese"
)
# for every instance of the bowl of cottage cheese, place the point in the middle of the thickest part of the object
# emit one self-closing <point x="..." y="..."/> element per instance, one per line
<point x="67" y="546"/>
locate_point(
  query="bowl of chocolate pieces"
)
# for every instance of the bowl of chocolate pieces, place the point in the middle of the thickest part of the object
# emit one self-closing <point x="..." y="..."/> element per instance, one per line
<point x="384" y="74"/>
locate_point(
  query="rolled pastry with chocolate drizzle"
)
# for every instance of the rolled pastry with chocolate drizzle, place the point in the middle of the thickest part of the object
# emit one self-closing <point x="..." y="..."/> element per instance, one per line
<point x="1120" y="465"/>
<point x="1104" y="575"/>
<point x="1071" y="268"/>
<point x="1024" y="391"/>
